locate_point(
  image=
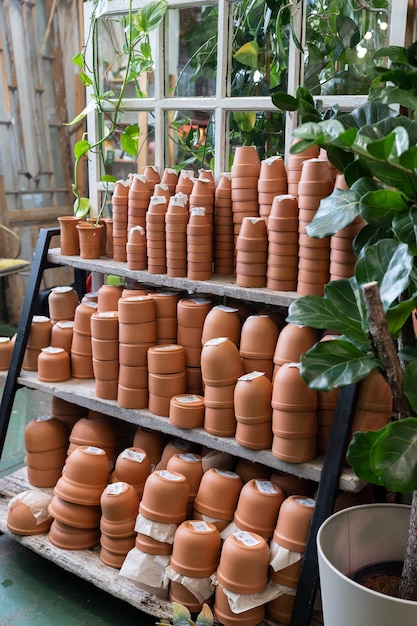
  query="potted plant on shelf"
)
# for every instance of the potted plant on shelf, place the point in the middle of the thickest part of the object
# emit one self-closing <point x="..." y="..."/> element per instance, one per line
<point x="376" y="149"/>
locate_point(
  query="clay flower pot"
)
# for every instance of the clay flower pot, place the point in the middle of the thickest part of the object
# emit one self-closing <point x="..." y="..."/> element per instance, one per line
<point x="90" y="240"/>
<point x="190" y="465"/>
<point x="186" y="411"/>
<point x="54" y="365"/>
<point x="220" y="362"/>
<point x="252" y="398"/>
<point x="196" y="549"/>
<point x="71" y="538"/>
<point x="225" y="615"/>
<point x="70" y="245"/>
<point x="108" y="297"/>
<point x="62" y="302"/>
<point x="6" y="349"/>
<point x="244" y="560"/>
<point x="76" y="515"/>
<point x="25" y="519"/>
<point x="165" y="497"/>
<point x="221" y="321"/>
<point x="45" y="433"/>
<point x="133" y="466"/>
<point x="294" y="522"/>
<point x="218" y="494"/>
<point x="258" y="507"/>
<point x="85" y="476"/>
<point x="119" y="502"/>
<point x="152" y="442"/>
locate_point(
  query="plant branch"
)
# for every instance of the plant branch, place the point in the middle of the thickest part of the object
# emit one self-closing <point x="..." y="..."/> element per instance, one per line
<point x="385" y="348"/>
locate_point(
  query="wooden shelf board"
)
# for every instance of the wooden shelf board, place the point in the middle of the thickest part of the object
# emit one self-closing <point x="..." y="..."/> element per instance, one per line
<point x="82" y="392"/>
<point x="218" y="285"/>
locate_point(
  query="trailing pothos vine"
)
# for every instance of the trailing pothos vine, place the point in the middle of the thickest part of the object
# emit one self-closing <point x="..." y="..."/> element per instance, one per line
<point x="136" y="26"/>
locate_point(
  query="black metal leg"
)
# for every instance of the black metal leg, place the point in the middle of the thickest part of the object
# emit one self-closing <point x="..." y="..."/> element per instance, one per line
<point x="326" y="495"/>
<point x="40" y="263"/>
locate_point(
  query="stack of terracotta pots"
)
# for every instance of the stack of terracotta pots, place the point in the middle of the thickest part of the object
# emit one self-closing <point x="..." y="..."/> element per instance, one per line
<point x="62" y="302"/>
<point x="161" y="189"/>
<point x="155" y="235"/>
<point x="191" y="313"/>
<point x="46" y="443"/>
<point x="272" y="182"/>
<point x="291" y="532"/>
<point x="81" y="346"/>
<point x="294" y="166"/>
<point x="202" y="195"/>
<point x="242" y="569"/>
<point x="170" y="178"/>
<point x="187" y="411"/>
<point x="176" y="220"/>
<point x="152" y="176"/>
<point x="283" y="244"/>
<point x="166" y="376"/>
<point x="185" y="183"/>
<point x="133" y="466"/>
<point x="314" y="254"/>
<point x="292" y="342"/>
<point x="294" y="416"/>
<point x="61" y="335"/>
<point x="39" y="337"/>
<point x="222" y="321"/>
<point x="221" y="366"/>
<point x="224" y="240"/>
<point x="259" y="495"/>
<point x="195" y="555"/>
<point x="258" y="341"/>
<point x="190" y="465"/>
<point x="119" y="505"/>
<point x="138" y="201"/>
<point x="217" y="497"/>
<point x="342" y="256"/>
<point x="207" y="174"/>
<point x="67" y="412"/>
<point x="252" y="405"/>
<point x="105" y="353"/>
<point x="136" y="246"/>
<point x="199" y="244"/>
<point x="76" y="502"/>
<point x="166" y="316"/>
<point x="245" y="174"/>
<point x="120" y="214"/>
<point x="252" y="253"/>
<point x="137" y="332"/>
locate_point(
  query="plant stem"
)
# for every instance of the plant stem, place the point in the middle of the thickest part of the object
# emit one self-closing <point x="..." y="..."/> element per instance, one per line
<point x="385" y="348"/>
<point x="408" y="582"/>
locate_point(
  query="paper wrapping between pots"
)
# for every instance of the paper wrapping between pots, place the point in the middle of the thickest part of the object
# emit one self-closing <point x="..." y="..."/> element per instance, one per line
<point x="157" y="530"/>
<point x="282" y="557"/>
<point x="240" y="602"/>
<point x="149" y="569"/>
<point x="37" y="501"/>
<point x="201" y="588"/>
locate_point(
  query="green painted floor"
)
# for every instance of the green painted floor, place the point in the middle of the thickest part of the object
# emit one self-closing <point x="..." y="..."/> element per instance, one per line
<point x="34" y="591"/>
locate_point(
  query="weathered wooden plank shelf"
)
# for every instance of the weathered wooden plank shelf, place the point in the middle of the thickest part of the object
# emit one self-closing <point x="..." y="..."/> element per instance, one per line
<point x="217" y="285"/>
<point x="82" y="392"/>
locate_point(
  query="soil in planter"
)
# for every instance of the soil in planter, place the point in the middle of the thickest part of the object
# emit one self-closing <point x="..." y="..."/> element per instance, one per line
<point x="381" y="577"/>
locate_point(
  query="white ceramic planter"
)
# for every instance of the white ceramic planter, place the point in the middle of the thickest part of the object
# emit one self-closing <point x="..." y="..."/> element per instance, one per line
<point x="353" y="538"/>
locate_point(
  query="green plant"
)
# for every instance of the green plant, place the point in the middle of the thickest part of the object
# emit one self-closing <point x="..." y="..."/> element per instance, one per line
<point x="181" y="616"/>
<point x="376" y="148"/>
<point x="134" y="29"/>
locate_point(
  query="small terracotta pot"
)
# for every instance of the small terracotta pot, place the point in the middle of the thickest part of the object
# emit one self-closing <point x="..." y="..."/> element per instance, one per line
<point x="165" y="497"/>
<point x="99" y="433"/>
<point x="70" y="245"/>
<point x="244" y="560"/>
<point x="133" y="466"/>
<point x="190" y="465"/>
<point x="256" y="436"/>
<point x="105" y="325"/>
<point x="108" y="297"/>
<point x="221" y="321"/>
<point x="281" y="608"/>
<point x="180" y="594"/>
<point x="40" y="332"/>
<point x="258" y="507"/>
<point x="81" y="366"/>
<point x="152" y="442"/>
<point x="292" y="342"/>
<point x="22" y="521"/>
<point x="187" y="411"/>
<point x="166" y="359"/>
<point x="76" y="515"/>
<point x="191" y="312"/>
<point x="61" y="335"/>
<point x="71" y="538"/>
<point x="87" y="465"/>
<point x="62" y="302"/>
<point x="90" y="240"/>
<point x="136" y="309"/>
<point x="119" y="502"/>
<point x="45" y="433"/>
<point x="218" y="494"/>
<point x="252" y="398"/>
<point x="295" y="449"/>
<point x="225" y="615"/>
<point x="293" y="524"/>
<point x="82" y="317"/>
<point x="220" y="362"/>
<point x="196" y="549"/>
<point x="132" y="397"/>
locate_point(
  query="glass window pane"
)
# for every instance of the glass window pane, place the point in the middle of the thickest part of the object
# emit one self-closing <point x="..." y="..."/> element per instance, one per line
<point x="112" y="59"/>
<point x="190" y="139"/>
<point x="263" y="129"/>
<point x="191" y="41"/>
<point x="259" y="56"/>
<point x="340" y="44"/>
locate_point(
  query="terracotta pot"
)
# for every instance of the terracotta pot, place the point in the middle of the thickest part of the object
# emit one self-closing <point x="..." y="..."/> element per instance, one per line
<point x="134" y="354"/>
<point x="290" y="392"/>
<point x="99" y="433"/>
<point x="87" y="465"/>
<point x="252" y="398"/>
<point x="105" y="325"/>
<point x="133" y="466"/>
<point x="166" y="359"/>
<point x="45" y="433"/>
<point x="152" y="442"/>
<point x="48" y="459"/>
<point x="187" y="411"/>
<point x="132" y="397"/>
<point x="221" y="321"/>
<point x="81" y="366"/>
<point x="20" y="518"/>
<point x="119" y="502"/>
<point x="61" y="335"/>
<point x="258" y="507"/>
<point x="220" y="362"/>
<point x="190" y="465"/>
<point x="136" y="309"/>
<point x="76" y="515"/>
<point x="71" y="538"/>
<point x="90" y="240"/>
<point x="40" y="332"/>
<point x="223" y="613"/>
<point x="292" y="342"/>
<point x="82" y="317"/>
<point x="62" y="302"/>
<point x="294" y="521"/>
<point x="256" y="436"/>
<point x="165" y="497"/>
<point x="244" y="560"/>
<point x="6" y="350"/>
<point x="218" y="494"/>
<point x="129" y="333"/>
<point x="180" y="594"/>
<point x="70" y="245"/>
<point x="281" y="608"/>
<point x="196" y="549"/>
<point x="149" y="545"/>
<point x="108" y="297"/>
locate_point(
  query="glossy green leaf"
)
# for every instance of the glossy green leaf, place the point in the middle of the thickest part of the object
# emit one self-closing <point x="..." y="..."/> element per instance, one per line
<point x="404" y="225"/>
<point x="396" y="316"/>
<point x="245" y="120"/>
<point x="359" y="455"/>
<point x="409" y="385"/>
<point x="408" y="354"/>
<point x="80" y="148"/>
<point x="389" y="263"/>
<point x="397" y="54"/>
<point x="129" y="140"/>
<point x="81" y="207"/>
<point x="332" y="364"/>
<point x="334" y="213"/>
<point x="379" y="207"/>
<point x="284" y="101"/>
<point x="149" y="17"/>
<point x="391" y="146"/>
<point x="248" y="54"/>
<point x="78" y="60"/>
<point x="85" y="79"/>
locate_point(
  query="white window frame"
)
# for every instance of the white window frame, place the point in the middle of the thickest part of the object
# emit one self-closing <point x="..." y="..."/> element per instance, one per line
<point x="220" y="104"/>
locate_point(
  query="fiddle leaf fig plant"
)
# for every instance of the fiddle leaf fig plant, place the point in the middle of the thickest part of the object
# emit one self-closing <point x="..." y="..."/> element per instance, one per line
<point x="376" y="149"/>
<point x="181" y="616"/>
<point x="135" y="29"/>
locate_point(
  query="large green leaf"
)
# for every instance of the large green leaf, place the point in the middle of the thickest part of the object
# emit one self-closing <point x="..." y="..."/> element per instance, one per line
<point x="149" y="17"/>
<point x="389" y="263"/>
<point x="284" y="101"/>
<point x="339" y="310"/>
<point x="379" y="207"/>
<point x="129" y="140"/>
<point x="392" y="455"/>
<point x="397" y="315"/>
<point x="248" y="54"/>
<point x="334" y="213"/>
<point x="332" y="364"/>
<point x="404" y="226"/>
